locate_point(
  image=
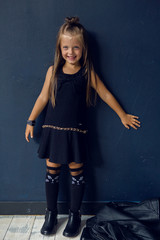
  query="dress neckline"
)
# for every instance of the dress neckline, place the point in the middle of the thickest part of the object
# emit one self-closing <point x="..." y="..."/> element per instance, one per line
<point x="70" y="75"/>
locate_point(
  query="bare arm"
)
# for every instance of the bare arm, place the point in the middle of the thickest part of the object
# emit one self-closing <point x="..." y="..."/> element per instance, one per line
<point x="39" y="104"/>
<point x="107" y="97"/>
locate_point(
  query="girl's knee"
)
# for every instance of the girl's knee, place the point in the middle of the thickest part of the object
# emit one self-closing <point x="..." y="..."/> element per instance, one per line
<point x="53" y="168"/>
<point x="76" y="168"/>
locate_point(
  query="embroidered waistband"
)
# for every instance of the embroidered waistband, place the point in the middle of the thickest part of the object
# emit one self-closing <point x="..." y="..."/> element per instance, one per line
<point x="65" y="129"/>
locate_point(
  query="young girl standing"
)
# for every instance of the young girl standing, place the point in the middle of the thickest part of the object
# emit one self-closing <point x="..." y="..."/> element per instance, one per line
<point x="67" y="90"/>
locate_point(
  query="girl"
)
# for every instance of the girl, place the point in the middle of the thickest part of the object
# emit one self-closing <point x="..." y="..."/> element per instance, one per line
<point x="67" y="90"/>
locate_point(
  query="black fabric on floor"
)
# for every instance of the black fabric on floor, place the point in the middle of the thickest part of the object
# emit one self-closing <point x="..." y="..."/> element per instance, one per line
<point x="125" y="221"/>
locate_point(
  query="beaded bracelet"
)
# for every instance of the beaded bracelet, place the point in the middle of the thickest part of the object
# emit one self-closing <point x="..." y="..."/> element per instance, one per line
<point x="31" y="123"/>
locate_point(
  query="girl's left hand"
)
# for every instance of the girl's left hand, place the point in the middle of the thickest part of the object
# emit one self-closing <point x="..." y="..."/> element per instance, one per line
<point x="130" y="120"/>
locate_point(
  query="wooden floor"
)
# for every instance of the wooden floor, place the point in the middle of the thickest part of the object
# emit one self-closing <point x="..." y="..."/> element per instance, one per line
<point x="28" y="227"/>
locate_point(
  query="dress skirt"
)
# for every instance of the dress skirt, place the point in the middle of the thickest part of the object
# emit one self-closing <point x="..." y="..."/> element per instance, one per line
<point x="63" y="146"/>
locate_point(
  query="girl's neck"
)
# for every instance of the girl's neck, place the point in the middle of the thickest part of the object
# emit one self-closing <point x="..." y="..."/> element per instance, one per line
<point x="71" y="68"/>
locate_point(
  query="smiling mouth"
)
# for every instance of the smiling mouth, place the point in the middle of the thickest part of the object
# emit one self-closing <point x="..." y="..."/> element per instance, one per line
<point x="71" y="58"/>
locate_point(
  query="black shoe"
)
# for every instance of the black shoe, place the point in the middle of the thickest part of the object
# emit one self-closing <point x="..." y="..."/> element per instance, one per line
<point x="50" y="222"/>
<point x="72" y="228"/>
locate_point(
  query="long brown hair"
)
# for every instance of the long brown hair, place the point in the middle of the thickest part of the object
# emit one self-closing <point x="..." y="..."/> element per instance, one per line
<point x="73" y="27"/>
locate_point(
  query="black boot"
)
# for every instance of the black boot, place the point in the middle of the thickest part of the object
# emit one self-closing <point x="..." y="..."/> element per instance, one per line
<point x="72" y="228"/>
<point x="50" y="222"/>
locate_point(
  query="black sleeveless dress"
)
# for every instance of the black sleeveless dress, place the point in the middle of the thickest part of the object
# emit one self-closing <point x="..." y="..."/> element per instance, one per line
<point x="64" y="133"/>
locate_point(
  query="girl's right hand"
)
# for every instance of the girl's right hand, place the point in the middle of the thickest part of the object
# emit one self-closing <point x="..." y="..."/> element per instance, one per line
<point x="29" y="130"/>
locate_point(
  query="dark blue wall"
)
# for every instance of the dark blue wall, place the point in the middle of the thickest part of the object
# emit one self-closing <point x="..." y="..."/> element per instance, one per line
<point x="124" y="164"/>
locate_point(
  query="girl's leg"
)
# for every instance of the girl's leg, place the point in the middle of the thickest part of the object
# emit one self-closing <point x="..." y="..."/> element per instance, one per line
<point x="77" y="186"/>
<point x="76" y="194"/>
<point x="51" y="186"/>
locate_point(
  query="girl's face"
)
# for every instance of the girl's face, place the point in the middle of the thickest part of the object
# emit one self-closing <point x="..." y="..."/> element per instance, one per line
<point x="71" y="48"/>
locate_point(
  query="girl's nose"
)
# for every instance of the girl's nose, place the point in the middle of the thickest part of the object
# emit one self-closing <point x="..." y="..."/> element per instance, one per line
<point x="70" y="50"/>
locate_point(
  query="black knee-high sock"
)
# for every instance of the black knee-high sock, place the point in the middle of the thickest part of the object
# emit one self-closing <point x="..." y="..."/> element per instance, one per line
<point x="76" y="192"/>
<point x="52" y="186"/>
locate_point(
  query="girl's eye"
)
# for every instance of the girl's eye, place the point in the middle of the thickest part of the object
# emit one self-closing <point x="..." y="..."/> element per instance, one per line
<point x="65" y="47"/>
<point x="76" y="47"/>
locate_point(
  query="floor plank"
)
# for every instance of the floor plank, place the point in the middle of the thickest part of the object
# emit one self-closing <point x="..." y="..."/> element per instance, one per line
<point x="20" y="228"/>
<point x="5" y="222"/>
<point x="28" y="227"/>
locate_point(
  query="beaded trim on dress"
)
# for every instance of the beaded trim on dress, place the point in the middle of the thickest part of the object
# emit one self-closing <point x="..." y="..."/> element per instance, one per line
<point x="65" y="129"/>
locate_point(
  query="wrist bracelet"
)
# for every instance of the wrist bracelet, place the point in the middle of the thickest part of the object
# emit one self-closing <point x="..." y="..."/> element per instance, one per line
<point x="31" y="123"/>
